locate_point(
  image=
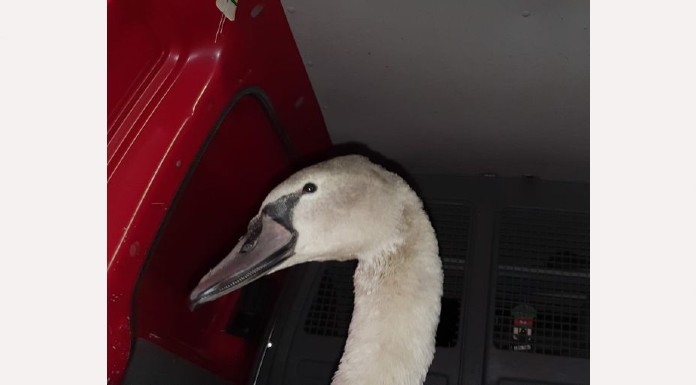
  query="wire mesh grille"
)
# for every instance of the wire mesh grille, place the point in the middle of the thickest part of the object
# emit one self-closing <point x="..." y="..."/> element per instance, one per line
<point x="543" y="265"/>
<point x="451" y="223"/>
<point x="332" y="306"/>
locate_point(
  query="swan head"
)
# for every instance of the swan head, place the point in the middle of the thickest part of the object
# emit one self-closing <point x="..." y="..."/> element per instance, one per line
<point x="340" y="209"/>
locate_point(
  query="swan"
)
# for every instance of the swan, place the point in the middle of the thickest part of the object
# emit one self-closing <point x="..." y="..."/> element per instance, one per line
<point x="350" y="208"/>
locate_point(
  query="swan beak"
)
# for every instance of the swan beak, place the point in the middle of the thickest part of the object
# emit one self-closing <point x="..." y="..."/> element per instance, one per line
<point x="265" y="246"/>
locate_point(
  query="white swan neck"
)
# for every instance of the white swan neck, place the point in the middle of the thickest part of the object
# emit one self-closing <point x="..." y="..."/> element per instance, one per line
<point x="397" y="309"/>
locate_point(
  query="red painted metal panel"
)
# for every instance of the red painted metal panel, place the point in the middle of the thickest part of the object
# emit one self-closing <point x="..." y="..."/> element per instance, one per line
<point x="173" y="67"/>
<point x="211" y="214"/>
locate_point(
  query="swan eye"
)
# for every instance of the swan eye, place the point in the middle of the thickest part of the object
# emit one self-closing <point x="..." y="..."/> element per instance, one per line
<point x="309" y="188"/>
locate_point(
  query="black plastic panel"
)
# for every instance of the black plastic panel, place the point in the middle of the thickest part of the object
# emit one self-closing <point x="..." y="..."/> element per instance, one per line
<point x="152" y="365"/>
<point x="544" y="263"/>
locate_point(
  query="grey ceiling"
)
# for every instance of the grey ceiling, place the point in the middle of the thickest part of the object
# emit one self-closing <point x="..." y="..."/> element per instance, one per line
<point x="454" y="87"/>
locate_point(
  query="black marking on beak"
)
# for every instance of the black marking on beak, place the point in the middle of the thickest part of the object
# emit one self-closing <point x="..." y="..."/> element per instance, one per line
<point x="269" y="241"/>
<point x="281" y="210"/>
